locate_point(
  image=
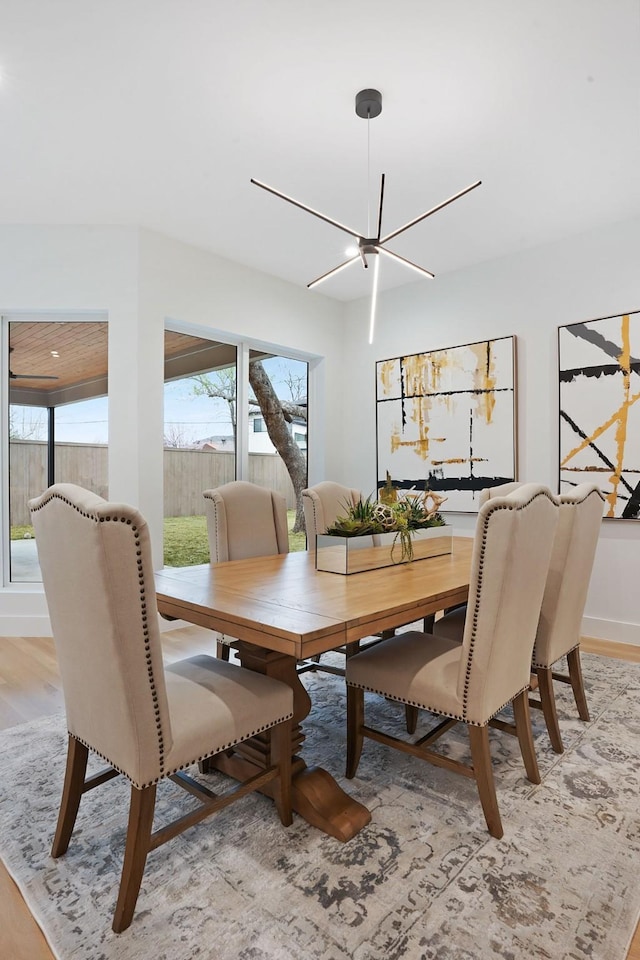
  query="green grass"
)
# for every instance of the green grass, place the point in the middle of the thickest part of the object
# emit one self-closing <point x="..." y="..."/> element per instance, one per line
<point x="297" y="541"/>
<point x="185" y="539"/>
<point x="17" y="533"/>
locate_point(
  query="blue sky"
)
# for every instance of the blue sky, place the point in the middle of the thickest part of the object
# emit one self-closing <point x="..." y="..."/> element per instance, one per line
<point x="187" y="416"/>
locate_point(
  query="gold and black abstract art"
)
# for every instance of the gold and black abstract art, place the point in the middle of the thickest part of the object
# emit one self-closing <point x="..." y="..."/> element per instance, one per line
<point x="599" y="431"/>
<point x="446" y="420"/>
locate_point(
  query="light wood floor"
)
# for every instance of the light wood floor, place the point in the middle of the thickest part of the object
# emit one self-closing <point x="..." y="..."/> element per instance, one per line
<point x="30" y="688"/>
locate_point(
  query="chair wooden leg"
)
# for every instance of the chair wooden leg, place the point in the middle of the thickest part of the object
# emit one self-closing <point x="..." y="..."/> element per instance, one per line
<point x="577" y="684"/>
<point x="222" y="650"/>
<point x="355" y="720"/>
<point x="72" y="790"/>
<point x="483" y="772"/>
<point x="281" y="755"/>
<point x="525" y="736"/>
<point x="135" y="854"/>
<point x="411" y="716"/>
<point x="548" y="701"/>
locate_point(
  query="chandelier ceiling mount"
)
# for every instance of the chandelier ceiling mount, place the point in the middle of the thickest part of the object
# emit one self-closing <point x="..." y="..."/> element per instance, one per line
<point x="369" y="106"/>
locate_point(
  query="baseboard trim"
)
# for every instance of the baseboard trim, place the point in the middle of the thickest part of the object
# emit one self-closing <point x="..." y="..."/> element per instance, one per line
<point x="25" y="627"/>
<point x="611" y="630"/>
<point x="40" y="626"/>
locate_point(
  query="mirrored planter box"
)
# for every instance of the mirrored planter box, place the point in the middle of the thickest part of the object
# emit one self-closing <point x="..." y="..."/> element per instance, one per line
<point x="356" y="554"/>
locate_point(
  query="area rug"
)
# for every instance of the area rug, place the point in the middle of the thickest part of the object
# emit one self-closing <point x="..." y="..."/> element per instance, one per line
<point x="423" y="880"/>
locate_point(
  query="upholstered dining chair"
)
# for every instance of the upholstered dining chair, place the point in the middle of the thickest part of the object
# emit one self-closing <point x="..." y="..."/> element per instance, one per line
<point x="564" y="600"/>
<point x="323" y="504"/>
<point x="147" y="722"/>
<point x="565" y="594"/>
<point x="244" y="520"/>
<point x="470" y="682"/>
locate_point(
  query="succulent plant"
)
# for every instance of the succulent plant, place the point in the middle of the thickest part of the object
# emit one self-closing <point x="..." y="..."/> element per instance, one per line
<point x="403" y="516"/>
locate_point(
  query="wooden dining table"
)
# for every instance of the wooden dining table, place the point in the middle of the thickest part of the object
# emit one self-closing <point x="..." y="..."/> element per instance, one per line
<point x="280" y="610"/>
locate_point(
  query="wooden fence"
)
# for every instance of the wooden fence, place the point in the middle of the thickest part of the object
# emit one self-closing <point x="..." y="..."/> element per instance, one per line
<point x="186" y="474"/>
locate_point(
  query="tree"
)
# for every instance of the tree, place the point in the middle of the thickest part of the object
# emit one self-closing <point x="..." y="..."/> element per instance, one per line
<point x="26" y="423"/>
<point x="175" y="436"/>
<point x="277" y="414"/>
<point x="220" y="384"/>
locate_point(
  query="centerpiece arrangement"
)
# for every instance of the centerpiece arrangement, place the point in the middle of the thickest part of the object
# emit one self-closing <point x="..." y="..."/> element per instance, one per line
<point x="378" y="533"/>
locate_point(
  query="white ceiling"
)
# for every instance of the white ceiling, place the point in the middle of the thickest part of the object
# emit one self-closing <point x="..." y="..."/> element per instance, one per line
<point x="158" y="113"/>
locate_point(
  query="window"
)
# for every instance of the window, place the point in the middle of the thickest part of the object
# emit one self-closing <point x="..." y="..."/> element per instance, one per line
<point x="200" y="433"/>
<point x="210" y="441"/>
<point x="57" y="420"/>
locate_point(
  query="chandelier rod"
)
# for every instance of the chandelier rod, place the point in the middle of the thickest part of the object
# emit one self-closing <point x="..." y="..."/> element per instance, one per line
<point x="302" y="206"/>
<point x="435" y="209"/>
<point x="368" y="171"/>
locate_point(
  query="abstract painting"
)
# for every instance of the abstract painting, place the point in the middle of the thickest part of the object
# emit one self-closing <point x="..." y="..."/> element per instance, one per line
<point x="446" y="420"/>
<point x="599" y="364"/>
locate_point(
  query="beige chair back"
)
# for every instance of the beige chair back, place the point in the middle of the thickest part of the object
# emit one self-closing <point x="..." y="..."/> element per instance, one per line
<point x="323" y="504"/>
<point x="97" y="569"/>
<point x="512" y="549"/>
<point x="502" y="490"/>
<point x="569" y="574"/>
<point x="245" y="520"/>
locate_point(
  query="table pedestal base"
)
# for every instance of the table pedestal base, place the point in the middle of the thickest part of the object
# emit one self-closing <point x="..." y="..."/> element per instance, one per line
<point x="315" y="794"/>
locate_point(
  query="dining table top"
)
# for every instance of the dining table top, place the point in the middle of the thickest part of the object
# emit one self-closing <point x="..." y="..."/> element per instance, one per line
<point x="284" y="604"/>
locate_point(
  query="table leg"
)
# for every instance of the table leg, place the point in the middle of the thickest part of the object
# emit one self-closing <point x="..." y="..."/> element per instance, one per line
<point x="316" y="796"/>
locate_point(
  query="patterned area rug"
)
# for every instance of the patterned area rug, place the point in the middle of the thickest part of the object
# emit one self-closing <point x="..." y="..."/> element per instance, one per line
<point x="423" y="880"/>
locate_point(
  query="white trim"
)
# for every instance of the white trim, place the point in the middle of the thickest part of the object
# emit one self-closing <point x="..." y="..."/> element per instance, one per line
<point x="30" y="626"/>
<point x="611" y="630"/>
<point x="242" y="411"/>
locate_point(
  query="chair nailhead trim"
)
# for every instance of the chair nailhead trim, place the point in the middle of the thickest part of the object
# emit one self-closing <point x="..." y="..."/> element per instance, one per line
<point x="213" y="500"/>
<point x="187" y="763"/>
<point x="440" y="713"/>
<point x="536" y="663"/>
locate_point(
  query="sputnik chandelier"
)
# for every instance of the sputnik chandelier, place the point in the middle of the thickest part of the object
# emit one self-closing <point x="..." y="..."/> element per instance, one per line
<point x="368" y="106"/>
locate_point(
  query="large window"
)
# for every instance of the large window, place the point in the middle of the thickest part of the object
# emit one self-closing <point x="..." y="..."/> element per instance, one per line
<point x="57" y="374"/>
<point x="220" y="425"/>
<point x="199" y="438"/>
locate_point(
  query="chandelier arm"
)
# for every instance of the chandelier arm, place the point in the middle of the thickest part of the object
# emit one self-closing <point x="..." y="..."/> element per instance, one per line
<point x="423" y="216"/>
<point x="380" y="207"/>
<point x="407" y="263"/>
<point x="302" y="206"/>
<point x="331" y="273"/>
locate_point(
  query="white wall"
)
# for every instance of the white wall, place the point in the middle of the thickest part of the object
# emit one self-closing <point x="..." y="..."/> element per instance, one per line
<point x="140" y="279"/>
<point x="530" y="295"/>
